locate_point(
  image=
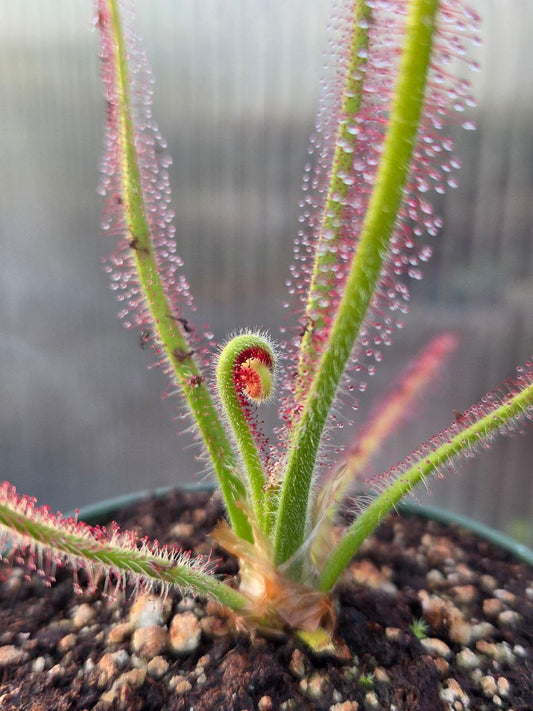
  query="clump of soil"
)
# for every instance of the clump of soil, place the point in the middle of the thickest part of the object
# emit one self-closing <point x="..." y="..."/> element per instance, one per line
<point x="434" y="618"/>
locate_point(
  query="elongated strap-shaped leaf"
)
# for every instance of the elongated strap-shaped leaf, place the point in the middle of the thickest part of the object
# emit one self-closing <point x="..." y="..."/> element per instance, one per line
<point x="55" y="539"/>
<point x="324" y="272"/>
<point x="364" y="274"/>
<point x="170" y="330"/>
<point x="464" y="441"/>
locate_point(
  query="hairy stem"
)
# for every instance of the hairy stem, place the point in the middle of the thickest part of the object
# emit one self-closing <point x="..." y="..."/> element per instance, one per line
<point x="171" y="335"/>
<point x="335" y="207"/>
<point x="370" y="518"/>
<point x="245" y="369"/>
<point x="364" y="274"/>
<point x="271" y="506"/>
<point x="145" y="566"/>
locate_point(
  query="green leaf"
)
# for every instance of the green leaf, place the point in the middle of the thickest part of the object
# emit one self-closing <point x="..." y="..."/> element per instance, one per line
<point x="364" y="274"/>
<point x="466" y="440"/>
<point x="170" y="330"/>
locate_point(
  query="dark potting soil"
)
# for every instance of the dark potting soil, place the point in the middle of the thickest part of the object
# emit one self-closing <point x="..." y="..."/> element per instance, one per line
<point x="433" y="617"/>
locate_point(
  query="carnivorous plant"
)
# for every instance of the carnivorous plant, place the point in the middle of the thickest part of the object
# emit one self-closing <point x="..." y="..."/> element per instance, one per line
<point x="380" y="149"/>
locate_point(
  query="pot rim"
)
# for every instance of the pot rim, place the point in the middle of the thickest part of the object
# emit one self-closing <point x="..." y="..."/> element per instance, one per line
<point x="94" y="513"/>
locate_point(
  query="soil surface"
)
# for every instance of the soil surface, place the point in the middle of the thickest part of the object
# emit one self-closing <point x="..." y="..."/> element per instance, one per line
<point x="434" y="619"/>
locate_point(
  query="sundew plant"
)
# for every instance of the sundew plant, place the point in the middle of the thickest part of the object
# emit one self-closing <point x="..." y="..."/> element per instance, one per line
<point x="380" y="150"/>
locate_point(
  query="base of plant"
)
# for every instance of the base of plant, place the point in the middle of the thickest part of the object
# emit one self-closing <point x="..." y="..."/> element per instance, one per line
<point x="62" y="651"/>
<point x="277" y="604"/>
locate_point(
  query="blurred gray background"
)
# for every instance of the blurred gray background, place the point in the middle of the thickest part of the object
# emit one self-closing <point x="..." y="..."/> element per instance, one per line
<point x="236" y="93"/>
